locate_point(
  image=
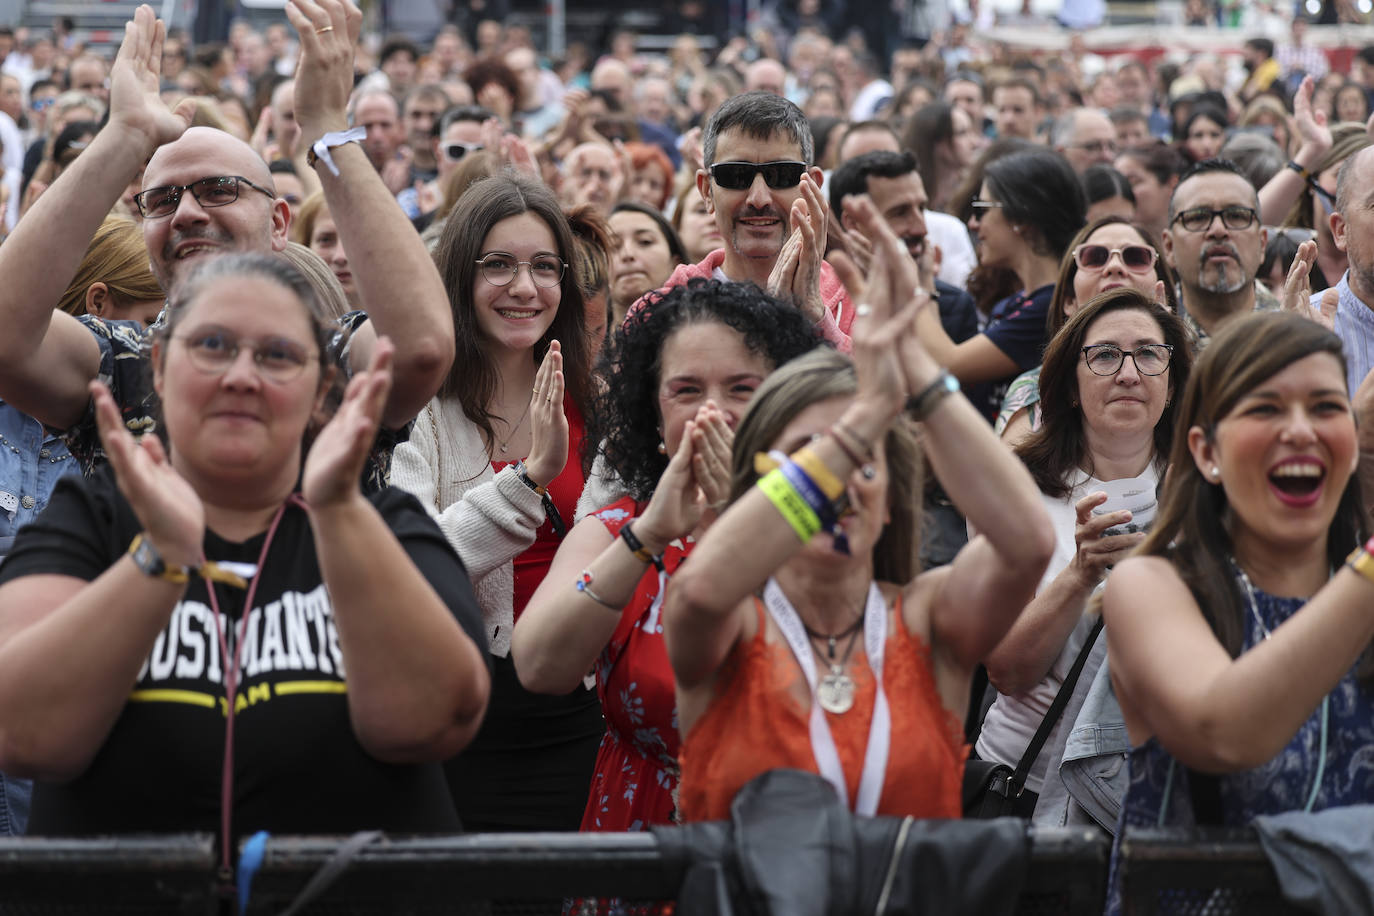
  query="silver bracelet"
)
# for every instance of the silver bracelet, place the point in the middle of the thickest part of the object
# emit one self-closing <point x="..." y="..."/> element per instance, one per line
<point x="584" y="585"/>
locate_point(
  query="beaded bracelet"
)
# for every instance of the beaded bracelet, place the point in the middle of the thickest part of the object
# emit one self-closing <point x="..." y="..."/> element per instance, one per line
<point x="790" y="504"/>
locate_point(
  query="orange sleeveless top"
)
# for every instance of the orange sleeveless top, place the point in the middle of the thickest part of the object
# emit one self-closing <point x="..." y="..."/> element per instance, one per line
<point x="755" y="724"/>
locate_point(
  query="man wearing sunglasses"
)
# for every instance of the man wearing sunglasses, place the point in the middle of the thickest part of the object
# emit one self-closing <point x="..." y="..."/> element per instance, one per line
<point x="206" y="193"/>
<point x="1215" y="243"/>
<point x="762" y="188"/>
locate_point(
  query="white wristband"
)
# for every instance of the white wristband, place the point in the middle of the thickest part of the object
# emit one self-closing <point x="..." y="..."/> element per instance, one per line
<point x="329" y="141"/>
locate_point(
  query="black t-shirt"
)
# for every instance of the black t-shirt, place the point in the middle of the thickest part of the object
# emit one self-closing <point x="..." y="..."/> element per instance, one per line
<point x="1017" y="328"/>
<point x="297" y="765"/>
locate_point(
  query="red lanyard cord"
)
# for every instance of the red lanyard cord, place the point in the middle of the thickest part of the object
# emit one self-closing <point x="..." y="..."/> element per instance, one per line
<point x="231" y="677"/>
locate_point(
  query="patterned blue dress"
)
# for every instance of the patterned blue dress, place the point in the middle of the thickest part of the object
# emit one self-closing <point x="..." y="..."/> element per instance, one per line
<point x="1159" y="793"/>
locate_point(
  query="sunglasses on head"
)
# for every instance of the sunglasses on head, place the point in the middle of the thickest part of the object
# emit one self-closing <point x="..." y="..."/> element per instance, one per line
<point x="456" y="151"/>
<point x="739" y="176"/>
<point x="1138" y="258"/>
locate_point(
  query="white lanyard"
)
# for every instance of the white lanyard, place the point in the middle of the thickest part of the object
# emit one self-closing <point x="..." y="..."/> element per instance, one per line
<point x="822" y="742"/>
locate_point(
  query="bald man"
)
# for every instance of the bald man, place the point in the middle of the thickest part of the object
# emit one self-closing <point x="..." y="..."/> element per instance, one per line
<point x="48" y="359"/>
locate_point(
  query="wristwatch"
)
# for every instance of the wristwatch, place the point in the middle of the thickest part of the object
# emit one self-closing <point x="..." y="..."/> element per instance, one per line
<point x="150" y="562"/>
<point x="921" y="405"/>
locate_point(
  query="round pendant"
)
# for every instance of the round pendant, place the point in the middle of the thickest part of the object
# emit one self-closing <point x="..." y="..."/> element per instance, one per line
<point x="835" y="693"/>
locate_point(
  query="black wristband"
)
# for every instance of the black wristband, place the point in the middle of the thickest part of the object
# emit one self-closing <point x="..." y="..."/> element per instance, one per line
<point x="638" y="549"/>
<point x="1293" y="164"/>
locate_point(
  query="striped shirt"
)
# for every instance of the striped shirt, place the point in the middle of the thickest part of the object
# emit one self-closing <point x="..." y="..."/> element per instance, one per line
<point x="1355" y="328"/>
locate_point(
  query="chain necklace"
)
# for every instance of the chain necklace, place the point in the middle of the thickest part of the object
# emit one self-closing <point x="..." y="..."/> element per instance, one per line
<point x="514" y="429"/>
<point x="836" y="690"/>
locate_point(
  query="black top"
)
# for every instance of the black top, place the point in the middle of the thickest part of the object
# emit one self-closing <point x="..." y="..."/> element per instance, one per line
<point x="297" y="765"/>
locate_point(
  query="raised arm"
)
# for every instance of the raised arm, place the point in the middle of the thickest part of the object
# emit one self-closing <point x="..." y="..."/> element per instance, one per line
<point x="1283" y="190"/>
<point x="991" y="579"/>
<point x="1215" y="713"/>
<point x="563" y="628"/>
<point x="47" y="359"/>
<point x="417" y="683"/>
<point x="398" y="284"/>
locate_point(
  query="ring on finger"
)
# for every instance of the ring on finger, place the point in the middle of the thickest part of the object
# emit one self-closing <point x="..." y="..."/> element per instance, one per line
<point x="863" y="311"/>
<point x="328" y="28"/>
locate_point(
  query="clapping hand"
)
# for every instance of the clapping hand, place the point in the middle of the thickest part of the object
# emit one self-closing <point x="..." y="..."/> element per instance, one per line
<point x="1296" y="295"/>
<point x="171" y="512"/>
<point x="797" y="272"/>
<point x="135" y="83"/>
<point x="697" y="480"/>
<point x="334" y="466"/>
<point x="328" y="31"/>
<point x="548" y="422"/>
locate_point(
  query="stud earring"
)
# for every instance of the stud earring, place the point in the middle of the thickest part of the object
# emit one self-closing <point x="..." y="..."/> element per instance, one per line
<point x="1216" y="473"/>
<point x="662" y="447"/>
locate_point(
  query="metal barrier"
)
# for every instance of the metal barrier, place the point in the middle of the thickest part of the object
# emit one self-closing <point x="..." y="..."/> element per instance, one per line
<point x="1164" y="871"/>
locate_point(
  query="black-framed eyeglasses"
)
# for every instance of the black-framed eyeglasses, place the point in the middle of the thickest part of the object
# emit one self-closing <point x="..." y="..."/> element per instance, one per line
<point x="738" y="176"/>
<point x="500" y="269"/>
<point x="1107" y="359"/>
<point x="1135" y="258"/>
<point x="1199" y="219"/>
<point x="215" y="191"/>
<point x="456" y="151"/>
<point x="214" y="350"/>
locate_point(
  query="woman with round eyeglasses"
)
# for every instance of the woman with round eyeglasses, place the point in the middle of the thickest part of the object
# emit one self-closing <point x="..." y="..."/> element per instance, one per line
<point x="1106" y="254"/>
<point x="499" y="458"/>
<point x="218" y="628"/>
<point x="1108" y="386"/>
<point x="1240" y="633"/>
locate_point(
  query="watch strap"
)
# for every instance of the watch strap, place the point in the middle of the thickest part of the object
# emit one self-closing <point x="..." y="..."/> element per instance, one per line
<point x="151" y="564"/>
<point x="922" y="405"/>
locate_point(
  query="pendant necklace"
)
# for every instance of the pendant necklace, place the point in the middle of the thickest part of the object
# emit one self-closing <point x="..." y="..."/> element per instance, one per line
<point x="514" y="429"/>
<point x="835" y="691"/>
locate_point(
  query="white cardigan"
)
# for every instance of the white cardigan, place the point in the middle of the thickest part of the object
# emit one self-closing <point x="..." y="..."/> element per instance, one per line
<point x="489" y="518"/>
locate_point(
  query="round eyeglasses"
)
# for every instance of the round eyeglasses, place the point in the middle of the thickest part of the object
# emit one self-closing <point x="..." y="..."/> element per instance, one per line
<point x="500" y="269"/>
<point x="277" y="359"/>
<point x="1107" y="359"/>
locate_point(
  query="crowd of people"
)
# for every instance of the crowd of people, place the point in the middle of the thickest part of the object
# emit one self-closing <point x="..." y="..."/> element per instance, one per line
<point x="526" y="445"/>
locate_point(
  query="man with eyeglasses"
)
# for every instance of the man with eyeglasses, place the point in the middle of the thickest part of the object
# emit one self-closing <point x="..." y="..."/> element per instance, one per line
<point x="760" y="184"/>
<point x="204" y="193"/>
<point x="1086" y="137"/>
<point x="1215" y="243"/>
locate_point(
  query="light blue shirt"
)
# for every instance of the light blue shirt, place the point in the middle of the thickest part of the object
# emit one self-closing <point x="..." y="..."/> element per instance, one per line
<point x="1355" y="328"/>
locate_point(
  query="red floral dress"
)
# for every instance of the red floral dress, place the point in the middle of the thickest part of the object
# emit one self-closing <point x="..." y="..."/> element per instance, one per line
<point x="635" y="781"/>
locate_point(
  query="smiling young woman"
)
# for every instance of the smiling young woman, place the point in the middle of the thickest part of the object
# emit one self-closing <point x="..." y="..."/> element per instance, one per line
<point x="1240" y="635"/>
<point x="498" y="455"/>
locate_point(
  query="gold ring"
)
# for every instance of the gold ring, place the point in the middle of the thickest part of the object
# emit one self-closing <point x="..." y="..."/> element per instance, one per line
<point x="548" y="399"/>
<point x="328" y="28"/>
<point x="536" y="391"/>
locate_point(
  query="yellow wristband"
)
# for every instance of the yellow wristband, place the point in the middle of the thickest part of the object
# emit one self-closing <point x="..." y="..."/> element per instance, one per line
<point x="790" y="505"/>
<point x="1362" y="562"/>
<point x="819" y="472"/>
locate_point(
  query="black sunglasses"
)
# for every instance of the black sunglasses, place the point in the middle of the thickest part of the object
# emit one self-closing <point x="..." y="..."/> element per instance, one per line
<point x="738" y="176"/>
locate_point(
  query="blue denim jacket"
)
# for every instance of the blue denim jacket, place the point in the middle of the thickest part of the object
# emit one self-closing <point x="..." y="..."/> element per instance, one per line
<point x="31" y="462"/>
